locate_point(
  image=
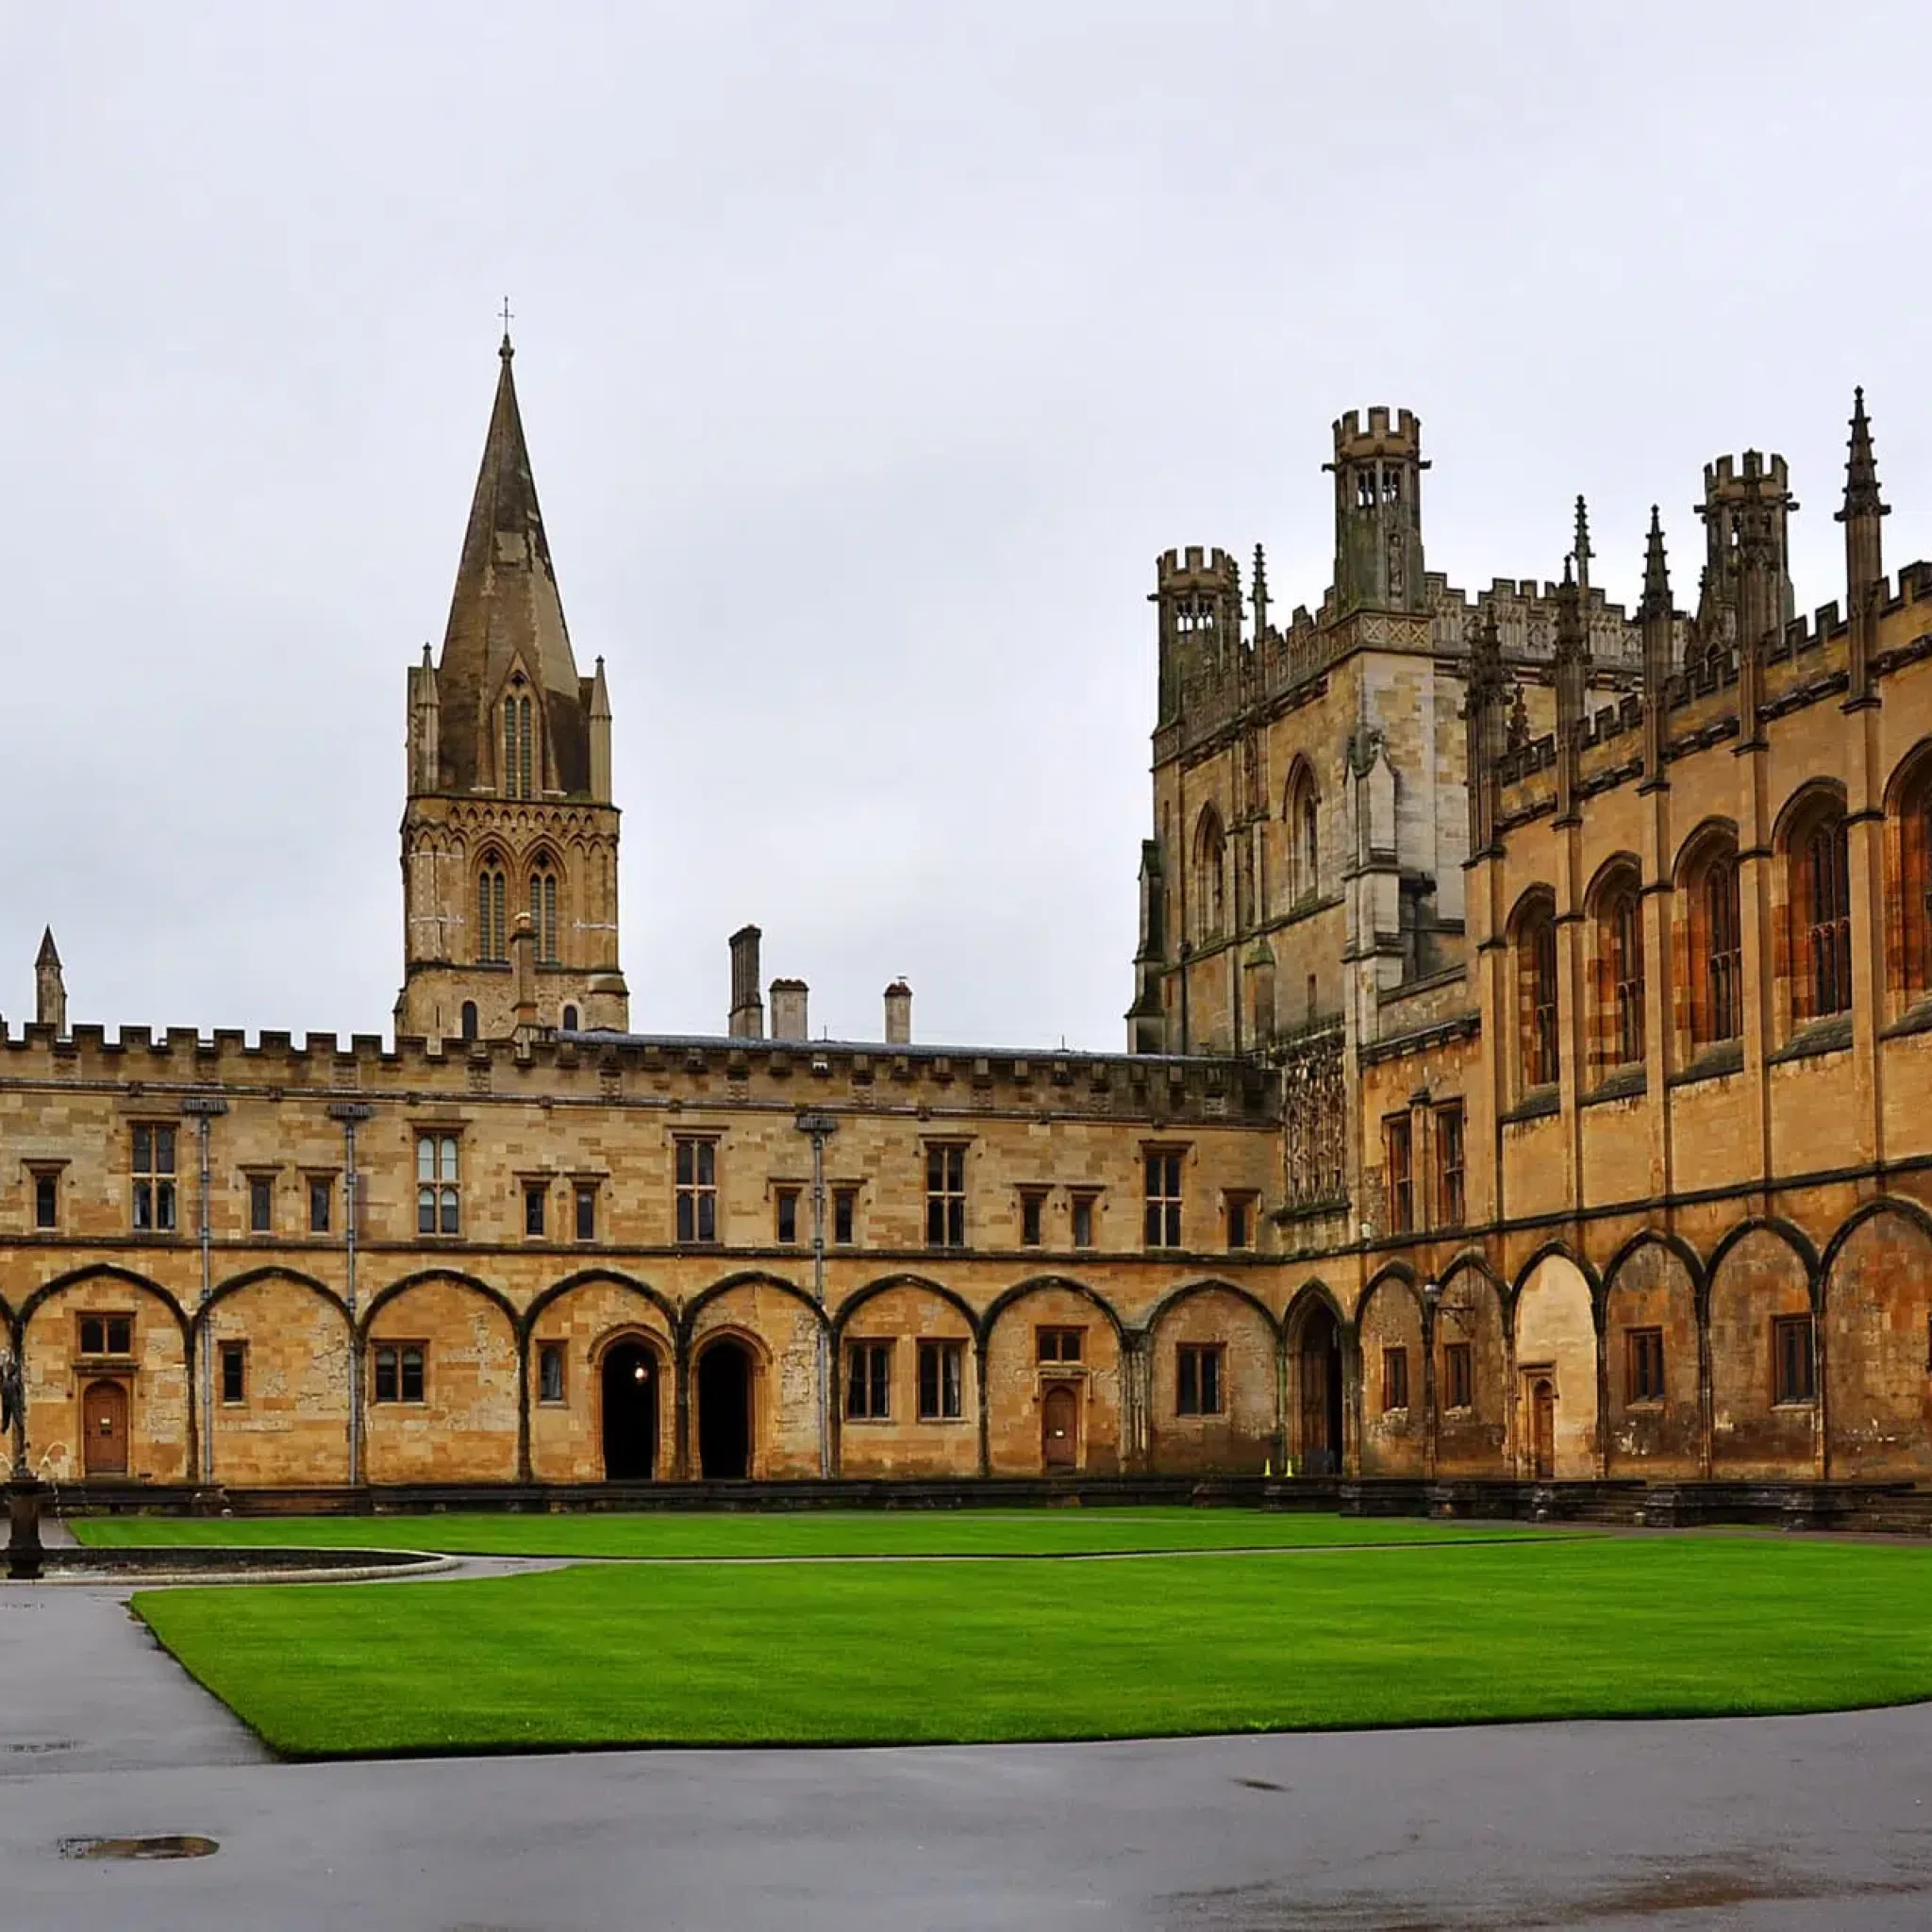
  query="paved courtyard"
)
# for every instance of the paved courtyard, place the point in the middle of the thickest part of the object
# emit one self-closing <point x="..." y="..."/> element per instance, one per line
<point x="1763" y="1823"/>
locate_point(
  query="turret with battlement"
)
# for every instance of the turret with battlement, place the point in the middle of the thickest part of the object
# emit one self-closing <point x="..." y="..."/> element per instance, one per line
<point x="1378" y="518"/>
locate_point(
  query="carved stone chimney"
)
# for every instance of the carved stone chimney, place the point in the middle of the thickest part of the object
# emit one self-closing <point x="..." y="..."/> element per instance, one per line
<point x="898" y="1014"/>
<point x="788" y="1009"/>
<point x="747" y="1020"/>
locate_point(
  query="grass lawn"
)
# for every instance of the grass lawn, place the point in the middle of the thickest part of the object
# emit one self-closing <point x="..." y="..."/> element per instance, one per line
<point x="611" y="1654"/>
<point x="805" y="1533"/>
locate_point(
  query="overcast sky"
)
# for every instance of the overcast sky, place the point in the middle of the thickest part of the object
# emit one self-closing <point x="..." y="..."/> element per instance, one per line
<point x="868" y="356"/>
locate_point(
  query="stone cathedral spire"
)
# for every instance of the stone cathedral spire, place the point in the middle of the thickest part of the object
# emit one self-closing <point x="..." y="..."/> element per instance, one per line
<point x="509" y="811"/>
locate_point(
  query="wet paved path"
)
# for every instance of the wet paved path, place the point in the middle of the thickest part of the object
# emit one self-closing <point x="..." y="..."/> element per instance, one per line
<point x="1784" y="1823"/>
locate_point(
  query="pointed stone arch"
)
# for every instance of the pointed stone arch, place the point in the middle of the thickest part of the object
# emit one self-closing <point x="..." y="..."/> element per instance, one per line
<point x="1392" y="1340"/>
<point x="1762" y="1272"/>
<point x="1876" y="1318"/>
<point x="1212" y="1331"/>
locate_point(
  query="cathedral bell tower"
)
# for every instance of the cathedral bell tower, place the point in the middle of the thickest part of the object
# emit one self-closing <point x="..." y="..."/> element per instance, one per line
<point x="509" y="818"/>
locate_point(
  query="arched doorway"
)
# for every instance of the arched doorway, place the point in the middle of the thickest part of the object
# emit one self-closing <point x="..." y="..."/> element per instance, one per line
<point x="630" y="1412"/>
<point x="104" y="1430"/>
<point x="1060" y="1429"/>
<point x="1542" y="1430"/>
<point x="724" y="1417"/>
<point x="1321" y="1394"/>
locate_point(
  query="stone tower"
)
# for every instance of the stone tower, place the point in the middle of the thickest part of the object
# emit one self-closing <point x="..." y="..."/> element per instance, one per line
<point x="509" y="811"/>
<point x="1378" y="513"/>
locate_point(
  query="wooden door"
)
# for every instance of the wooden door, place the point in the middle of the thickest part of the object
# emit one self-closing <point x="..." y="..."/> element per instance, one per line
<point x="104" y="1430"/>
<point x="1060" y="1429"/>
<point x="1542" y="1425"/>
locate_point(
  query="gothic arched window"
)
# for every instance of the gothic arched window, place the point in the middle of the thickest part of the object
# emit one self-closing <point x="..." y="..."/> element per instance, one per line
<point x="1909" y="846"/>
<point x="1210" y="867"/>
<point x="1708" y="948"/>
<point x="1828" y="914"/>
<point x="519" y="748"/>
<point x="468" y="1022"/>
<point x="1619" y="1022"/>
<point x="491" y="909"/>
<point x="543" y="912"/>
<point x="1536" y="985"/>
<point x="1304" y="815"/>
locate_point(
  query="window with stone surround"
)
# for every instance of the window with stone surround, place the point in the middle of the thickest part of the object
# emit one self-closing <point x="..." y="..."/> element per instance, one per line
<point x="535" y="1208"/>
<point x="46" y="1187"/>
<point x="1398" y="1172"/>
<point x="785" y="1212"/>
<point x="1161" y="1169"/>
<point x="1644" y="1365"/>
<point x="234" y="1359"/>
<point x="945" y="1194"/>
<point x="154" y="1178"/>
<point x="1240" y="1220"/>
<point x="1451" y="1197"/>
<point x="941" y="1381"/>
<point x="1197" y="1378"/>
<point x="1058" y="1344"/>
<point x="584" y="1205"/>
<point x="1617" y="928"/>
<point x="106" y="1335"/>
<point x="1458" y="1376"/>
<point x="519" y="742"/>
<point x="844" y="1216"/>
<point x="1908" y="854"/>
<point x="550" y="1365"/>
<point x="696" y="1170"/>
<point x="322" y="1193"/>
<point x="1822" y="896"/>
<point x="402" y="1372"/>
<point x="492" y="909"/>
<point x="439" y="1199"/>
<point x="1535" y="946"/>
<point x="1793" y="1379"/>
<point x="1708" y="947"/>
<point x="1082" y="1212"/>
<point x="1210" y="877"/>
<point x="543" y="912"/>
<point x="867" y="1381"/>
<point x="1032" y="1216"/>
<point x="1394" y="1379"/>
<point x="261" y="1203"/>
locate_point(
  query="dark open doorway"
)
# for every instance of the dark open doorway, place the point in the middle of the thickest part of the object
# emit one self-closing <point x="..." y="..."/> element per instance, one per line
<point x="1321" y="1394"/>
<point x="725" y="1413"/>
<point x="630" y="1413"/>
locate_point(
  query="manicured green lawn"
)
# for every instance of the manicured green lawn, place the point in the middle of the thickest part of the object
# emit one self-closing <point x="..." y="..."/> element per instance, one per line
<point x="814" y="1533"/>
<point x="999" y="1650"/>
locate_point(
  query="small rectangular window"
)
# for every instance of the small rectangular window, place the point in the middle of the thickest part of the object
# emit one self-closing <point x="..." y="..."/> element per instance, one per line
<point x="1450" y="1208"/>
<point x="1394" y="1379"/>
<point x="586" y="1211"/>
<point x="46" y="1201"/>
<point x="439" y="1207"/>
<point x="106" y="1335"/>
<point x="844" y="1215"/>
<point x="941" y="1380"/>
<point x="1458" y="1376"/>
<point x="549" y="1372"/>
<point x="1241" y="1220"/>
<point x="1163" y="1200"/>
<point x="400" y="1370"/>
<point x="261" y="1203"/>
<point x="1790" y="1359"/>
<point x="1398" y="1174"/>
<point x="320" y="1194"/>
<point x="1083" y="1221"/>
<point x="786" y="1203"/>
<point x="153" y="1179"/>
<point x="697" y="1190"/>
<point x="234" y="1372"/>
<point x="536" y="1206"/>
<point x="1644" y="1365"/>
<point x="945" y="1196"/>
<point x="1032" y="1211"/>
<point x="869" y="1380"/>
<point x="1197" y="1378"/>
<point x="1058" y="1344"/>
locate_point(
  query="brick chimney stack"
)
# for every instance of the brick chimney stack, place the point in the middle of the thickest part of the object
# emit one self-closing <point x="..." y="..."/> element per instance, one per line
<point x="747" y="1020"/>
<point x="898" y="1014"/>
<point x="788" y="1009"/>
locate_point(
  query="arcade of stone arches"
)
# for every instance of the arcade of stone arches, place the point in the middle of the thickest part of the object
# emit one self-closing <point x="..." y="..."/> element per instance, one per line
<point x="1767" y="1354"/>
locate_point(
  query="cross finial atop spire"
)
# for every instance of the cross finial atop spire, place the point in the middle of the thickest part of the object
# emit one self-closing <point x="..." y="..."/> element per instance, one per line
<point x="505" y="351"/>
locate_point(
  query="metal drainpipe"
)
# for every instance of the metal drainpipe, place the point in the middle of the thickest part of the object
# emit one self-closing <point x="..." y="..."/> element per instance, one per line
<point x="202" y="1107"/>
<point x="821" y="1128"/>
<point x="349" y="1112"/>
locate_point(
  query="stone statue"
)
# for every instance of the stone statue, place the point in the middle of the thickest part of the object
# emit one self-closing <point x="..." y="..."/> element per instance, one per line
<point x="12" y="1394"/>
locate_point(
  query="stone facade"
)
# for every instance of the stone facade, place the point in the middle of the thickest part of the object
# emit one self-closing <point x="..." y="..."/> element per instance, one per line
<point x="1526" y="1076"/>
